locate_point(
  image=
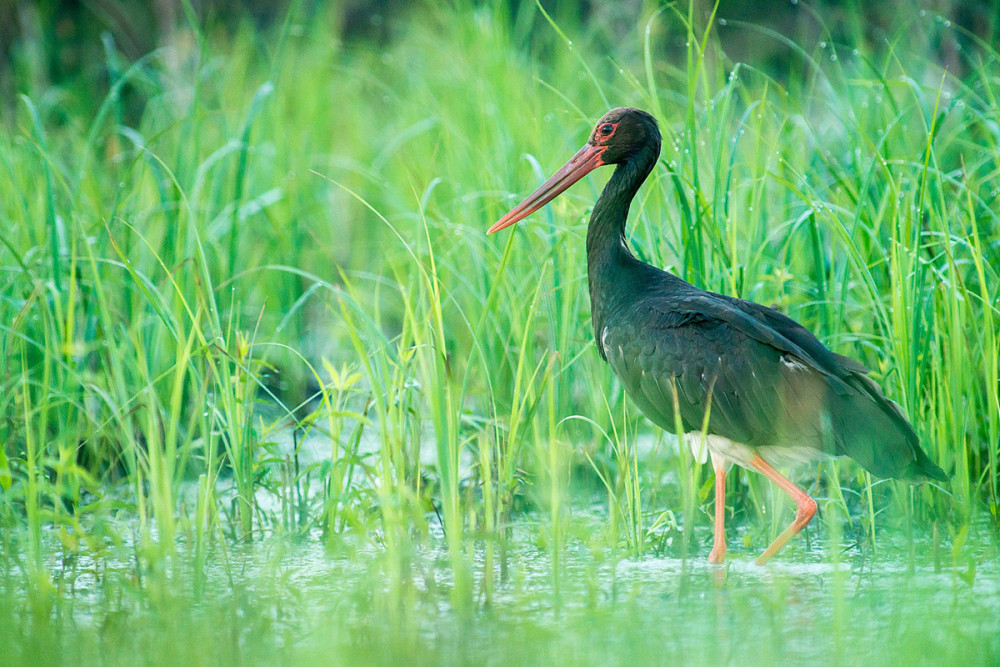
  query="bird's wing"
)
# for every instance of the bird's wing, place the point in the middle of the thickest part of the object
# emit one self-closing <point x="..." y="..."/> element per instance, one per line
<point x="853" y="373"/>
<point x="760" y="384"/>
<point x="770" y="327"/>
<point x="759" y="378"/>
<point x="798" y="335"/>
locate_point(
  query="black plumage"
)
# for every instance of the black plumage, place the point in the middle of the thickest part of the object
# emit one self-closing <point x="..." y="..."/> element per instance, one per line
<point x="766" y="390"/>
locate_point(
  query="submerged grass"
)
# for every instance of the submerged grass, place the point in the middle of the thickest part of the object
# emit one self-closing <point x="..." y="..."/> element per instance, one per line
<point x="268" y="307"/>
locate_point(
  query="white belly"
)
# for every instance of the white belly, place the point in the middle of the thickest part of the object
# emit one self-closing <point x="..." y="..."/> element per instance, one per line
<point x="726" y="452"/>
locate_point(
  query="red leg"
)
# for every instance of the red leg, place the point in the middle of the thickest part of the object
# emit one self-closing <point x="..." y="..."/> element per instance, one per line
<point x="803" y="515"/>
<point x="718" y="554"/>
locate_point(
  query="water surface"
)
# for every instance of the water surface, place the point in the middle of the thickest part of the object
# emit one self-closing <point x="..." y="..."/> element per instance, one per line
<point x="284" y="601"/>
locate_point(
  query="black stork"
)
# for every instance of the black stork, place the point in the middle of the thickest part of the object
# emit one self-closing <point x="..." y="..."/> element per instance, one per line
<point x="757" y="388"/>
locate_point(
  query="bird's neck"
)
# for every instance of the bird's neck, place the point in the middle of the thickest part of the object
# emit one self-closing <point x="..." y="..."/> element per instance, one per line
<point x="611" y="266"/>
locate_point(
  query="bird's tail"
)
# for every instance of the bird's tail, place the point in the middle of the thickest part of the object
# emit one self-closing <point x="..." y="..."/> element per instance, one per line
<point x="924" y="470"/>
<point x="877" y="435"/>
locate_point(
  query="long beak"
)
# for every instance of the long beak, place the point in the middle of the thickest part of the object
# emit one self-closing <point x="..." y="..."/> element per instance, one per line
<point x="581" y="164"/>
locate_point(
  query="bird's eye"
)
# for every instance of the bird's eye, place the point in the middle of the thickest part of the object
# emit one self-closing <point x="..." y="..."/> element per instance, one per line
<point x="607" y="129"/>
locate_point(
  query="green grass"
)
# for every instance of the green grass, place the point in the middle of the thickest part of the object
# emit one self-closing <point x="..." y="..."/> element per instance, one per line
<point x="267" y="311"/>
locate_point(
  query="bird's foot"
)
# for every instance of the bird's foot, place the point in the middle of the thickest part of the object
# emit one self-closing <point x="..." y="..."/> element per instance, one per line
<point x="718" y="555"/>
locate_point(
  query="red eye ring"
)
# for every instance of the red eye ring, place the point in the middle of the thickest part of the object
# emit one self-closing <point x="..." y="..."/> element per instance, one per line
<point x="607" y="129"/>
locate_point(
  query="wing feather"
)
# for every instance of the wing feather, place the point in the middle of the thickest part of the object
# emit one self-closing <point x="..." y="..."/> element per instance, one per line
<point x="722" y="360"/>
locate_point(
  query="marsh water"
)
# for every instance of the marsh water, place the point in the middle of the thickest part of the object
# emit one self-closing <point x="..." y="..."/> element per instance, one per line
<point x="285" y="601"/>
<point x="544" y="594"/>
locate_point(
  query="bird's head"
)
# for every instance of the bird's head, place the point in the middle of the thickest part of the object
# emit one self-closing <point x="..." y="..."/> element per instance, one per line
<point x="618" y="137"/>
<point x="623" y="132"/>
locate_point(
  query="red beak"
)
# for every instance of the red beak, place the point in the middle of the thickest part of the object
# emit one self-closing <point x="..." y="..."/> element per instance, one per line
<point x="581" y="164"/>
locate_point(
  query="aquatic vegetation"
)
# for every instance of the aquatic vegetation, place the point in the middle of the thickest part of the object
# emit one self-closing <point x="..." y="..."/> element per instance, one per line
<point x="269" y="392"/>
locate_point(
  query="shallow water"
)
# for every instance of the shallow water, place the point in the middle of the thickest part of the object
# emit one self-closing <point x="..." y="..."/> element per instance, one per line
<point x="280" y="601"/>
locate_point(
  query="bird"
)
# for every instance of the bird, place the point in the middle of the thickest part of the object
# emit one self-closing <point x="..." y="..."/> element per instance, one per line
<point x="742" y="380"/>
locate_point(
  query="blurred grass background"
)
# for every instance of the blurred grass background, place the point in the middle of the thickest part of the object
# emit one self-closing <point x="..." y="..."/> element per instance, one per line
<point x="245" y="287"/>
